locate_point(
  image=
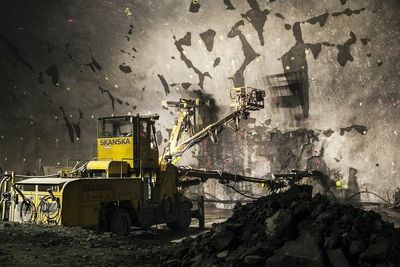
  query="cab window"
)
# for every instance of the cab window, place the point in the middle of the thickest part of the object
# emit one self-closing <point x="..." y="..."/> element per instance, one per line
<point x="115" y="127"/>
<point x="143" y="129"/>
<point x="153" y="140"/>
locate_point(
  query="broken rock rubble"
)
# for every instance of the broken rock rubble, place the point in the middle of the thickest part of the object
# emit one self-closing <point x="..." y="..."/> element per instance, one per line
<point x="292" y="229"/>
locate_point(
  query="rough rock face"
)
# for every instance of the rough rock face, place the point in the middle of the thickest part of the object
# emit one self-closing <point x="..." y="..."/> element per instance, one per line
<point x="292" y="229"/>
<point x="330" y="67"/>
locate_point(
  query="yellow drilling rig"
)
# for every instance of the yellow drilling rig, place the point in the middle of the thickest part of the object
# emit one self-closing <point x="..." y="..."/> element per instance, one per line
<point x="128" y="183"/>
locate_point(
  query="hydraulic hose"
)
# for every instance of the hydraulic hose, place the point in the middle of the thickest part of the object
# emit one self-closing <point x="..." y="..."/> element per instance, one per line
<point x="27" y="207"/>
<point x="76" y="169"/>
<point x="46" y="207"/>
<point x="5" y="179"/>
<point x="368" y="192"/>
<point x="4" y="196"/>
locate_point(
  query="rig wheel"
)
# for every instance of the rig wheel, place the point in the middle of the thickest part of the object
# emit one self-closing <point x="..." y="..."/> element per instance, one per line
<point x="120" y="222"/>
<point x="184" y="218"/>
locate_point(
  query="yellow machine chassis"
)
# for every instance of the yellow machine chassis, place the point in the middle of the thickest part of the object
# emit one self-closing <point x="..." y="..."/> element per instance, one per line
<point x="80" y="200"/>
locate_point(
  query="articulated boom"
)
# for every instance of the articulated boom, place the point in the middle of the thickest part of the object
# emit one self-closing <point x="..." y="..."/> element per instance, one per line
<point x="245" y="99"/>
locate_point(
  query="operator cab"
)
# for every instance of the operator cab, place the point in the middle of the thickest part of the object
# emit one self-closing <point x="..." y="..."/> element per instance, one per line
<point x="115" y="127"/>
<point x="126" y="146"/>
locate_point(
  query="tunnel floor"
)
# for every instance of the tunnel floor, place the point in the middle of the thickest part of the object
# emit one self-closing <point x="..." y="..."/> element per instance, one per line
<point x="35" y="245"/>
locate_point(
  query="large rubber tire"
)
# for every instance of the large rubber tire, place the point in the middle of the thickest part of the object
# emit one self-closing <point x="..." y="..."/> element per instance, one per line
<point x="184" y="218"/>
<point x="120" y="222"/>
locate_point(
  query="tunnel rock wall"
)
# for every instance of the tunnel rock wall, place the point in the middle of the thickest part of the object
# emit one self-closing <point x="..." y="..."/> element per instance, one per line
<point x="330" y="70"/>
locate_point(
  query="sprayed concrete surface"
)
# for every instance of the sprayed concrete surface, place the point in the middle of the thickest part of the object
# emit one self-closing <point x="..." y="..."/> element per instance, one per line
<point x="330" y="70"/>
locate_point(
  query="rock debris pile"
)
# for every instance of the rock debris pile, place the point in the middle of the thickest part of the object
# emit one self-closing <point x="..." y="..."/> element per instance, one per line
<point x="292" y="229"/>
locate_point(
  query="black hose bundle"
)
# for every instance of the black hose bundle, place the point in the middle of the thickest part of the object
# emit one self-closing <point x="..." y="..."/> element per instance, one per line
<point x="27" y="211"/>
<point x="49" y="209"/>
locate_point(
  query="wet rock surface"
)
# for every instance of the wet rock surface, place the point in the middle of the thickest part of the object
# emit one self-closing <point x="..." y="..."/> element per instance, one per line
<point x="292" y="229"/>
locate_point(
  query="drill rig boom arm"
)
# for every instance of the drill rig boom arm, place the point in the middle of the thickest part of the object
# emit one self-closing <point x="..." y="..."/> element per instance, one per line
<point x="211" y="130"/>
<point x="245" y="99"/>
<point x="273" y="182"/>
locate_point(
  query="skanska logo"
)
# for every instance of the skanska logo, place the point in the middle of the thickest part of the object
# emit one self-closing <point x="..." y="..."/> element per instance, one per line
<point x="118" y="141"/>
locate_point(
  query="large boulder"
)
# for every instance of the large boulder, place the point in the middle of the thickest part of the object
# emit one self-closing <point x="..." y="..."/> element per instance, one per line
<point x="337" y="258"/>
<point x="276" y="224"/>
<point x="304" y="251"/>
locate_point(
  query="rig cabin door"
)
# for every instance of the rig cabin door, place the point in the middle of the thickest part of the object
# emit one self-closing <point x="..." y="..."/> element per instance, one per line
<point x="148" y="150"/>
<point x="148" y="154"/>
